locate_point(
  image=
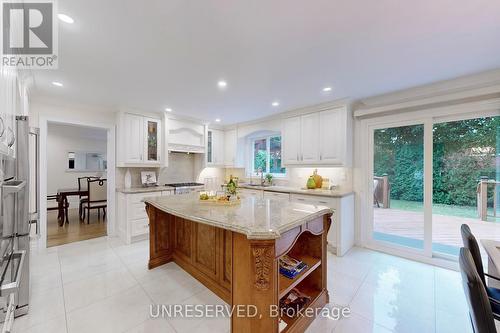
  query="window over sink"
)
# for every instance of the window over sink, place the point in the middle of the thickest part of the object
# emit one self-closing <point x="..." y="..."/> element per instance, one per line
<point x="266" y="155"/>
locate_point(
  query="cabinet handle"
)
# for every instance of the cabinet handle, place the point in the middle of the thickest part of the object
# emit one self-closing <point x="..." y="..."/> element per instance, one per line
<point x="302" y="157"/>
<point x="320" y="157"/>
<point x="2" y="132"/>
<point x="13" y="139"/>
<point x="297" y="156"/>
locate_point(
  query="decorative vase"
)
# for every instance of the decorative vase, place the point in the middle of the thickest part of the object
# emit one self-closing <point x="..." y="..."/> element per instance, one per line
<point x="128" y="179"/>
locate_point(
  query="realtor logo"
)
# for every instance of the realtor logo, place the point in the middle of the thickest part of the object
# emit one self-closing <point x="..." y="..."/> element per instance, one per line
<point x="29" y="34"/>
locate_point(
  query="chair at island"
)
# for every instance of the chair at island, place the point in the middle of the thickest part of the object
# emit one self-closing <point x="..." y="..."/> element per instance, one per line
<point x="97" y="198"/>
<point x="480" y="312"/>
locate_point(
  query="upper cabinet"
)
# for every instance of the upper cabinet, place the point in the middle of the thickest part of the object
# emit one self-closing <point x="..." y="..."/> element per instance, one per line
<point x="139" y="140"/>
<point x="321" y="138"/>
<point x="215" y="147"/>
<point x="153" y="139"/>
<point x="233" y="157"/>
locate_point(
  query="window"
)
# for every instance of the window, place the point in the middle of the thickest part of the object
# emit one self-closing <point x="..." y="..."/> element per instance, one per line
<point x="267" y="155"/>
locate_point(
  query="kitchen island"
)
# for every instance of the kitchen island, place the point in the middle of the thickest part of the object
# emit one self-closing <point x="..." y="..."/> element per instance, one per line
<point x="235" y="251"/>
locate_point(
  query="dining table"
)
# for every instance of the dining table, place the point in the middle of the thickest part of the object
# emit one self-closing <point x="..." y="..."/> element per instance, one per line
<point x="63" y="204"/>
<point x="492" y="248"/>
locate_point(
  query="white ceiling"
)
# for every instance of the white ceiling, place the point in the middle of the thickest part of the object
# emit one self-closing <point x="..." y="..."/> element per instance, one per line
<point x="153" y="54"/>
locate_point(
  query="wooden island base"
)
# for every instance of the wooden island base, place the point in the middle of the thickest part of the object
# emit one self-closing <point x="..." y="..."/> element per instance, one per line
<point x="245" y="271"/>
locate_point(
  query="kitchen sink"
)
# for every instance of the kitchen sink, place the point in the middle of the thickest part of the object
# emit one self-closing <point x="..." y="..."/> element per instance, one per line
<point x="257" y="185"/>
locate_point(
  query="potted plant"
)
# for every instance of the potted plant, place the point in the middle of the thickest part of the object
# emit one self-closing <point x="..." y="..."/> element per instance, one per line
<point x="269" y="179"/>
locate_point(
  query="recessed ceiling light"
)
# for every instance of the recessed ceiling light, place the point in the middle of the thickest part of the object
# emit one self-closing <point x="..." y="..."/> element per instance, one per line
<point x="168" y="109"/>
<point x="217" y="120"/>
<point x="327" y="89"/>
<point x="57" y="84"/>
<point x="222" y="84"/>
<point x="65" y="18"/>
<point x="275" y="103"/>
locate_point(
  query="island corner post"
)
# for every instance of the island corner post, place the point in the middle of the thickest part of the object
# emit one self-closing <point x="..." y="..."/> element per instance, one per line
<point x="245" y="271"/>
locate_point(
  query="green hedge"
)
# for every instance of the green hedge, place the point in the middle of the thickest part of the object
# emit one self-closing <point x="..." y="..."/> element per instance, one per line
<point x="463" y="152"/>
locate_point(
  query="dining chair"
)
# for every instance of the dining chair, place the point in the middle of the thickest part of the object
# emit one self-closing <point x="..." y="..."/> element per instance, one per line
<point x="480" y="312"/>
<point x="470" y="243"/>
<point x="97" y="198"/>
<point x="82" y="186"/>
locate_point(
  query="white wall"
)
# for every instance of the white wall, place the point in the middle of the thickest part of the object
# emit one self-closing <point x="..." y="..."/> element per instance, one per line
<point x="64" y="138"/>
<point x="66" y="113"/>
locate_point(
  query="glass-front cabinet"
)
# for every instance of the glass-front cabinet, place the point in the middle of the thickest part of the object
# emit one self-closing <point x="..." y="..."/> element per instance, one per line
<point x="152" y="140"/>
<point x="215" y="147"/>
<point x="139" y="140"/>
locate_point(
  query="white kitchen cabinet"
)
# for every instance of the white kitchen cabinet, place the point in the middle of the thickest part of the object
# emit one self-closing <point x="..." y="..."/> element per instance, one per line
<point x="233" y="150"/>
<point x="276" y="195"/>
<point x="333" y="126"/>
<point x="153" y="138"/>
<point x="245" y="192"/>
<point x="134" y="147"/>
<point x="309" y="125"/>
<point x="291" y="141"/>
<point x="341" y="234"/>
<point x="321" y="138"/>
<point x="215" y="148"/>
<point x="133" y="221"/>
<point x="139" y="140"/>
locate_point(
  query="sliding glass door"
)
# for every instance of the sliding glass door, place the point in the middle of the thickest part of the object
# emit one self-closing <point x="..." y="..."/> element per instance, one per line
<point x="398" y="185"/>
<point x="429" y="178"/>
<point x="466" y="175"/>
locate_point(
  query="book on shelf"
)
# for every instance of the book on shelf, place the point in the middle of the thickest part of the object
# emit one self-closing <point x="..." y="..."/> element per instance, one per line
<point x="291" y="267"/>
<point x="294" y="301"/>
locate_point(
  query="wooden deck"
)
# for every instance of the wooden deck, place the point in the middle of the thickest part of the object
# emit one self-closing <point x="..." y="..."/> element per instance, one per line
<point x="445" y="229"/>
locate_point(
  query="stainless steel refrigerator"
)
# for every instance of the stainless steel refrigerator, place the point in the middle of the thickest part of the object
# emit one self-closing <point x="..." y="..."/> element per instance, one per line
<point x="15" y="227"/>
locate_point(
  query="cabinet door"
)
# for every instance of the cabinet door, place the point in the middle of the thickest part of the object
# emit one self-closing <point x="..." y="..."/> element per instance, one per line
<point x="134" y="140"/>
<point x="210" y="147"/>
<point x="291" y="141"/>
<point x="215" y="147"/>
<point x="152" y="140"/>
<point x="219" y="147"/>
<point x="333" y="137"/>
<point x="230" y="142"/>
<point x="309" y="138"/>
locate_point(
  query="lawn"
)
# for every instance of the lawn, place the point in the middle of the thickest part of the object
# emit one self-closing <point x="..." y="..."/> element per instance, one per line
<point x="441" y="209"/>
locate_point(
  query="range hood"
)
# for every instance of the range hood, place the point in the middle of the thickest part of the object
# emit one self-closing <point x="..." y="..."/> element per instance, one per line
<point x="180" y="148"/>
<point x="185" y="136"/>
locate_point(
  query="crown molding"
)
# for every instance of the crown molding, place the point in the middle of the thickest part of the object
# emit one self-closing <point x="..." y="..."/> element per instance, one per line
<point x="344" y="102"/>
<point x="481" y="85"/>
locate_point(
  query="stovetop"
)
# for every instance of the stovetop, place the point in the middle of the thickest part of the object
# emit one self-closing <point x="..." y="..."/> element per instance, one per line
<point x="184" y="184"/>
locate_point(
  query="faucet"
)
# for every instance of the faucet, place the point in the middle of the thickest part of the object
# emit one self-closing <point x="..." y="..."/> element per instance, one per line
<point x="259" y="170"/>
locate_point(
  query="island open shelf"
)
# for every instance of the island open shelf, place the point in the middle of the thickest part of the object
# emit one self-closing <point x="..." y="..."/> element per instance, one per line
<point x="239" y="267"/>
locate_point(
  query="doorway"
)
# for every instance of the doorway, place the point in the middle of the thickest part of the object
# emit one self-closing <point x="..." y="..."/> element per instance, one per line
<point x="77" y="181"/>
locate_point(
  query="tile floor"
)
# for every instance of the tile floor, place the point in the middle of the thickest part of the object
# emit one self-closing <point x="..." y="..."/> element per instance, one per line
<point x="102" y="285"/>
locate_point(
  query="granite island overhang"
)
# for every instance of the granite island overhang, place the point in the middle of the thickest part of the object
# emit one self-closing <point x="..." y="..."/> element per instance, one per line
<point x="234" y="251"/>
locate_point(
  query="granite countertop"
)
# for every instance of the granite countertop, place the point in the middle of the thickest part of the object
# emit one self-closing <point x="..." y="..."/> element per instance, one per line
<point x="143" y="189"/>
<point x="289" y="189"/>
<point x="254" y="217"/>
